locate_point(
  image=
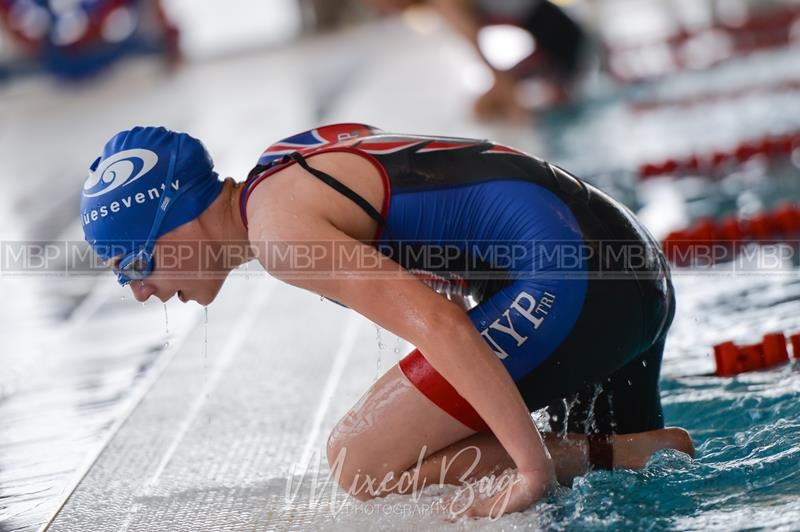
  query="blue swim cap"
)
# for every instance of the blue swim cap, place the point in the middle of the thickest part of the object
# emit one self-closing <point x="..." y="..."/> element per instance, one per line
<point x="126" y="188"/>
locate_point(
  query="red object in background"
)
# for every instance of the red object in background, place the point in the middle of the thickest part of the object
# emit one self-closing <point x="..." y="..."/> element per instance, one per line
<point x="695" y="100"/>
<point x="795" y="339"/>
<point x="704" y="231"/>
<point x="784" y="145"/>
<point x="677" y="248"/>
<point x="769" y="147"/>
<point x="771" y="351"/>
<point x="787" y="220"/>
<point x="746" y="151"/>
<point x="729" y="230"/>
<point x="650" y="170"/>
<point x="761" y="227"/>
<point x="684" y="247"/>
<point x="774" y="350"/>
<point x="718" y="159"/>
<point x="670" y="166"/>
<point x="726" y="356"/>
<point x="701" y="238"/>
<point x="730" y="235"/>
<point x="758" y="31"/>
<point x="779" y="225"/>
<point x="694" y="164"/>
<point x="750" y="358"/>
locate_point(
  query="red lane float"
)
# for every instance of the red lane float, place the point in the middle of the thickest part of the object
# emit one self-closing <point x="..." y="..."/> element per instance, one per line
<point x="694" y="100"/>
<point x="771" y="147"/>
<point x="732" y="359"/>
<point x="710" y="241"/>
<point x="761" y="31"/>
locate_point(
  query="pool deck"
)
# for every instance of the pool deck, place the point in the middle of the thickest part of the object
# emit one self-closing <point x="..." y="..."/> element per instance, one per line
<point x="212" y="443"/>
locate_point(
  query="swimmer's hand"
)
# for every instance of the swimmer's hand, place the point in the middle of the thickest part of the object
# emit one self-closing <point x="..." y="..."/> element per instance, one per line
<point x="495" y="496"/>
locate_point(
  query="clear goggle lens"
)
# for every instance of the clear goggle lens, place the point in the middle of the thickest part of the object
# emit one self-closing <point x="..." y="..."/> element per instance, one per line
<point x="135" y="267"/>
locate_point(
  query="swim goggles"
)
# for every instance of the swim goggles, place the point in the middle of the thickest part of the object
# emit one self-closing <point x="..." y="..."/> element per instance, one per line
<point x="139" y="265"/>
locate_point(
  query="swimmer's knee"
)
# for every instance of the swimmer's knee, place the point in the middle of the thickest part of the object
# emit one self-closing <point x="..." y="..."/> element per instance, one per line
<point x="338" y="462"/>
<point x="336" y="450"/>
<point x="349" y="469"/>
<point x="680" y="440"/>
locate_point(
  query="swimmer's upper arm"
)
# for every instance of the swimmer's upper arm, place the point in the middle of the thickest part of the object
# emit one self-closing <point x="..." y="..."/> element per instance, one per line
<point x="322" y="259"/>
<point x="297" y="242"/>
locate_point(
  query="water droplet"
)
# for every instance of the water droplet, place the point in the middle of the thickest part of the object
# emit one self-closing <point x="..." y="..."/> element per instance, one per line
<point x="644" y="363"/>
<point x="380" y="351"/>
<point x="378" y="337"/>
<point x="567" y="407"/>
<point x="322" y="298"/>
<point x="166" y="320"/>
<point x="122" y="298"/>
<point x="205" y="352"/>
<point x="205" y="333"/>
<point x="630" y="383"/>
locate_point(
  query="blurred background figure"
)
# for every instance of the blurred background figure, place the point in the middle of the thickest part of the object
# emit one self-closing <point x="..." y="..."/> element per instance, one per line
<point x="325" y="15"/>
<point x="519" y="40"/>
<point x="77" y="38"/>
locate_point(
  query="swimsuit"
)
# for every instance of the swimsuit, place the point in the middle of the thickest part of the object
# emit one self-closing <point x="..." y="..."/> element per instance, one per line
<point x="573" y="294"/>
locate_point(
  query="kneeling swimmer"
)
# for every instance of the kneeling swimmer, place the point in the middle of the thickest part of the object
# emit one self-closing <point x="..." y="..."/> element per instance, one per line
<point x="521" y="286"/>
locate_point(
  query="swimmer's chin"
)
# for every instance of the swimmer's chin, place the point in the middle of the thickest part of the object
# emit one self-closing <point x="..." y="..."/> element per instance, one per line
<point x="183" y="298"/>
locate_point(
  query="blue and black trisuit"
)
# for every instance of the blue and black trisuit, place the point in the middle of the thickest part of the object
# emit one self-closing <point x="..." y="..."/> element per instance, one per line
<point x="573" y="294"/>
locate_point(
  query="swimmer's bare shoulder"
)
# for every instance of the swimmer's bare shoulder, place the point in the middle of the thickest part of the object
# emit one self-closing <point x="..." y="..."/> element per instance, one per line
<point x="293" y="211"/>
<point x="294" y="197"/>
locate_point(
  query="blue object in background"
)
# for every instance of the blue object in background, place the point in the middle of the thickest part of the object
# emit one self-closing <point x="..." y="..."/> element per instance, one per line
<point x="85" y="37"/>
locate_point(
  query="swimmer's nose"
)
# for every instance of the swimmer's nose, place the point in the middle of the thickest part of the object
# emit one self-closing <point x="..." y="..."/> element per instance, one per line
<point x="142" y="291"/>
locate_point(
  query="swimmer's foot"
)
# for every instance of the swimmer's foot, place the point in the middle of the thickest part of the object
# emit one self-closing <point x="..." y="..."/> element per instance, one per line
<point x="632" y="451"/>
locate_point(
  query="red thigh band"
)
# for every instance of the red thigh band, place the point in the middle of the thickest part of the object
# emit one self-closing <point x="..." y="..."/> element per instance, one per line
<point x="439" y="391"/>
